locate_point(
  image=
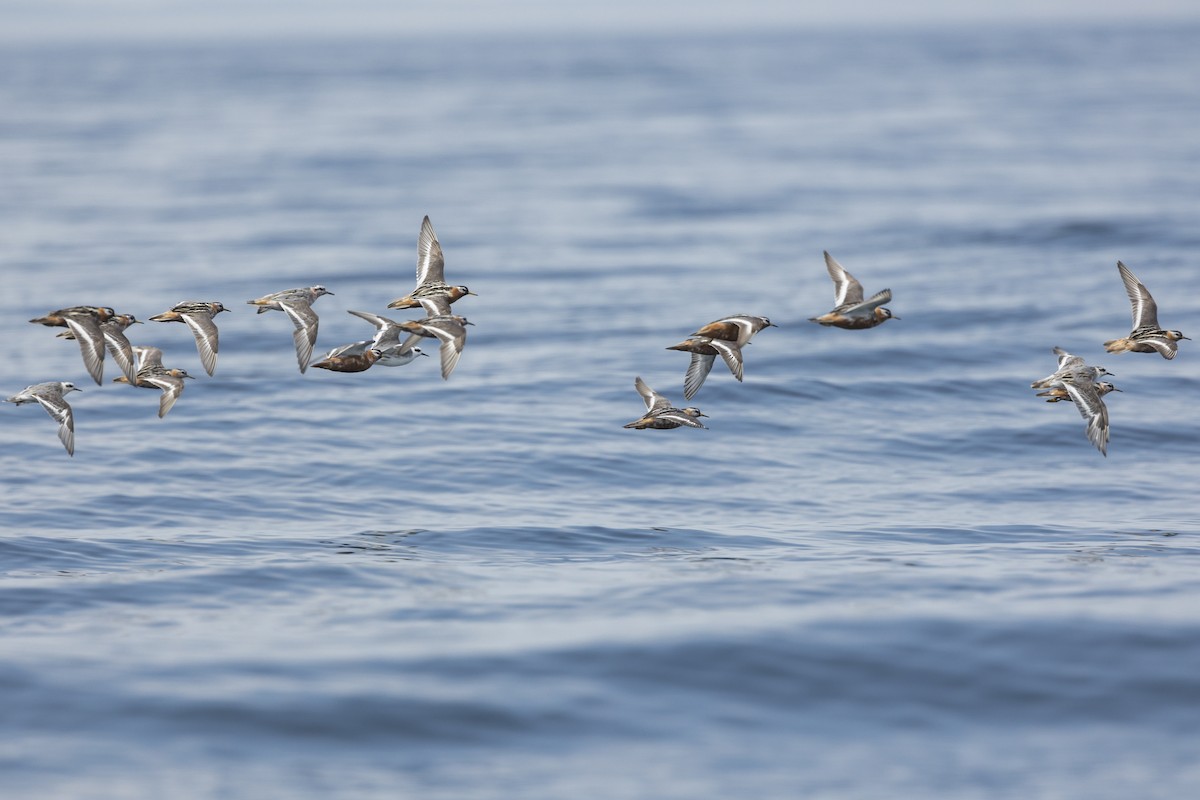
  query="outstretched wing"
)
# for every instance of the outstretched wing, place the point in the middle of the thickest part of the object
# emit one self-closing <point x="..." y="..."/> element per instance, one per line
<point x="376" y="320"/>
<point x="846" y="289"/>
<point x="1092" y="409"/>
<point x="868" y="307"/>
<point x="732" y="354"/>
<point x="1066" y="360"/>
<point x="305" y="335"/>
<point x="61" y="413"/>
<point x="697" y="371"/>
<point x="653" y="399"/>
<point x="205" y="331"/>
<point x="147" y="356"/>
<point x="121" y="350"/>
<point x="1145" y="310"/>
<point x="453" y="335"/>
<point x="431" y="266"/>
<point x="387" y="332"/>
<point x="91" y="343"/>
<point x="171" y="389"/>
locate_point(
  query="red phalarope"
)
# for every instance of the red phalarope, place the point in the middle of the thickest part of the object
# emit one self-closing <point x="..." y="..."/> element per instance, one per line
<point x="431" y="277"/>
<point x="50" y="397"/>
<point x="450" y="329"/>
<point x="385" y="349"/>
<point x="738" y="328"/>
<point x="851" y="311"/>
<point x="725" y="337"/>
<point x="1146" y="336"/>
<point x="1070" y="366"/>
<point x="1076" y="380"/>
<point x="660" y="414"/>
<point x="297" y="304"/>
<point x="58" y="319"/>
<point x="395" y="353"/>
<point x="84" y="323"/>
<point x="117" y="344"/>
<point x="152" y="375"/>
<point x="198" y="316"/>
<point x="349" y="359"/>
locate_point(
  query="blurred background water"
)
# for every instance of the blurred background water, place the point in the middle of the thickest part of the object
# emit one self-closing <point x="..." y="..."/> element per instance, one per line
<point x="887" y="570"/>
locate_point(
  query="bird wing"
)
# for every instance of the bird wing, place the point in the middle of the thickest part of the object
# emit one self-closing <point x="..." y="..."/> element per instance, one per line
<point x="1092" y="409"/>
<point x="746" y="326"/>
<point x="91" y="343"/>
<point x="352" y="349"/>
<point x="147" y="356"/>
<point x="60" y="412"/>
<point x="1145" y="310"/>
<point x="731" y="353"/>
<point x="376" y="320"/>
<point x="846" y="288"/>
<point x="431" y="266"/>
<point x="683" y="419"/>
<point x="122" y="351"/>
<point x="1066" y="360"/>
<point x="436" y="306"/>
<point x="171" y="387"/>
<point x="205" y="331"/>
<point x="868" y="307"/>
<point x="387" y="331"/>
<point x="697" y="371"/>
<point x="305" y="335"/>
<point x="453" y="335"/>
<point x="396" y="350"/>
<point x="653" y="399"/>
<point x="1165" y="347"/>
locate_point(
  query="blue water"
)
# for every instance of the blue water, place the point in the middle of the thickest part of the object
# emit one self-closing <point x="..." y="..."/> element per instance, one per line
<point x="886" y="570"/>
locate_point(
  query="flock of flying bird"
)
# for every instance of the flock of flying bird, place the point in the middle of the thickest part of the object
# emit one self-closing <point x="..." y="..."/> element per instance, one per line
<point x="727" y="336"/>
<point x="99" y="329"/>
<point x="1073" y="380"/>
<point x="1076" y="381"/>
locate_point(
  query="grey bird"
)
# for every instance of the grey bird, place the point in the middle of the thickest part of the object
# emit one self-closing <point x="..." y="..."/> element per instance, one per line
<point x="297" y="304"/>
<point x="1077" y="380"/>
<point x="660" y="414"/>
<point x="394" y="352"/>
<point x="152" y="374"/>
<point x="1070" y="365"/>
<point x="50" y="397"/>
<point x="112" y="330"/>
<point x="449" y="329"/>
<point x="83" y="322"/>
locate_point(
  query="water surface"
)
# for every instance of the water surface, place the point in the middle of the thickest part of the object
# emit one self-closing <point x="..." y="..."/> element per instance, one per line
<point x="885" y="570"/>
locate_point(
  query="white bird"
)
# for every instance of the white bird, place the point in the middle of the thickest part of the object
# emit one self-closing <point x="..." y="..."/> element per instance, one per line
<point x="50" y="397"/>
